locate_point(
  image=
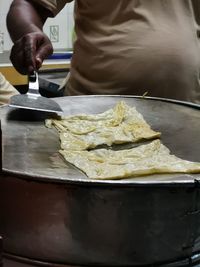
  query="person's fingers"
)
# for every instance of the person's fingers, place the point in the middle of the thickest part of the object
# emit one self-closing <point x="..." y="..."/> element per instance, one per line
<point x="17" y="58"/>
<point x="28" y="52"/>
<point x="44" y="51"/>
<point x="38" y="48"/>
<point x="23" y="54"/>
<point x="38" y="63"/>
<point x="30" y="42"/>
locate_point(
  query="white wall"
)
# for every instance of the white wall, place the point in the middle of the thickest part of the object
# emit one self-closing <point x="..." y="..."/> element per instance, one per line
<point x="4" y="6"/>
<point x="59" y="29"/>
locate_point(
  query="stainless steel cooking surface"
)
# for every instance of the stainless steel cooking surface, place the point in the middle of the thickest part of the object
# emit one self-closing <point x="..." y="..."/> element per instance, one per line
<point x="13" y="261"/>
<point x="32" y="149"/>
<point x="51" y="212"/>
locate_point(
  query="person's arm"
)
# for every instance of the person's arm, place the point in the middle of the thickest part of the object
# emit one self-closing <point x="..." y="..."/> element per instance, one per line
<point x="25" y="21"/>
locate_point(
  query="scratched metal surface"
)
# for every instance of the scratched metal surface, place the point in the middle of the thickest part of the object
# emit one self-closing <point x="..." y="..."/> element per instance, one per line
<point x="51" y="212"/>
<point x="31" y="150"/>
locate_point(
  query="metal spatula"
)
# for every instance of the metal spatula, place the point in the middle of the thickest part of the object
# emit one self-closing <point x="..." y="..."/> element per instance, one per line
<point x="33" y="100"/>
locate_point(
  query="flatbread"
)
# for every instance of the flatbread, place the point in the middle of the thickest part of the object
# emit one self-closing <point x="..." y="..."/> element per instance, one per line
<point x="146" y="159"/>
<point x="119" y="125"/>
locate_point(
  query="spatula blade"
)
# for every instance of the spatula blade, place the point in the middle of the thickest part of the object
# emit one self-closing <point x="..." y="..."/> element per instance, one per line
<point x="35" y="103"/>
<point x="33" y="100"/>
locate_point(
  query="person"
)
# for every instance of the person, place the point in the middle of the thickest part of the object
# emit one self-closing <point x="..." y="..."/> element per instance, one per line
<point x="6" y="90"/>
<point x="132" y="47"/>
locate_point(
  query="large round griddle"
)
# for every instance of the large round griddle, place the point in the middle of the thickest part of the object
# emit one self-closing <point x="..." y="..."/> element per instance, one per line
<point x="30" y="149"/>
<point x="52" y="213"/>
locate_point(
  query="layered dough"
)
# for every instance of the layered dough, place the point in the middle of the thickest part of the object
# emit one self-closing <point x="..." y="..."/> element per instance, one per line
<point x="119" y="125"/>
<point x="142" y="160"/>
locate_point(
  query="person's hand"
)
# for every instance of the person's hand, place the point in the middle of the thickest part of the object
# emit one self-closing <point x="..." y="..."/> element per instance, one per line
<point x="28" y="52"/>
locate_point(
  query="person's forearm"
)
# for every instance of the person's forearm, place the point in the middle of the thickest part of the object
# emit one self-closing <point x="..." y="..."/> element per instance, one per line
<point x="25" y="17"/>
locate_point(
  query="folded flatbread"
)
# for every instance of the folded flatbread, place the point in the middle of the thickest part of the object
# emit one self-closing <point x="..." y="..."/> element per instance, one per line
<point x="146" y="159"/>
<point x="121" y="124"/>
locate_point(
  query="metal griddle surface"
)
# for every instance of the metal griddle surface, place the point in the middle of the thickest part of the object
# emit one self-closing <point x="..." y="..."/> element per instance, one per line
<point x="30" y="150"/>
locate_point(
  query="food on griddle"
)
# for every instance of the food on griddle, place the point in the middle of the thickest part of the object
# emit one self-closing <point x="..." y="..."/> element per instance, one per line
<point x="146" y="159"/>
<point x="119" y="125"/>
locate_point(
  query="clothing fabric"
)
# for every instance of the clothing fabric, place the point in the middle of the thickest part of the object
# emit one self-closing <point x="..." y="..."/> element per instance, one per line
<point x="135" y="47"/>
<point x="6" y="90"/>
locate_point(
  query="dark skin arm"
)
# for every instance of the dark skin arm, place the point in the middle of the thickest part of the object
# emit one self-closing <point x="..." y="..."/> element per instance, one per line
<point x="31" y="46"/>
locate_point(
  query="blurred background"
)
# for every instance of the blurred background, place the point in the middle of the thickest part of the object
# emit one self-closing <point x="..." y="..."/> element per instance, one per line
<point x="58" y="29"/>
<point x="54" y="70"/>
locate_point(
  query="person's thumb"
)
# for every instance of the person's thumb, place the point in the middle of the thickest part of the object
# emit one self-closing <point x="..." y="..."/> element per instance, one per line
<point x="38" y="62"/>
<point x="43" y="53"/>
